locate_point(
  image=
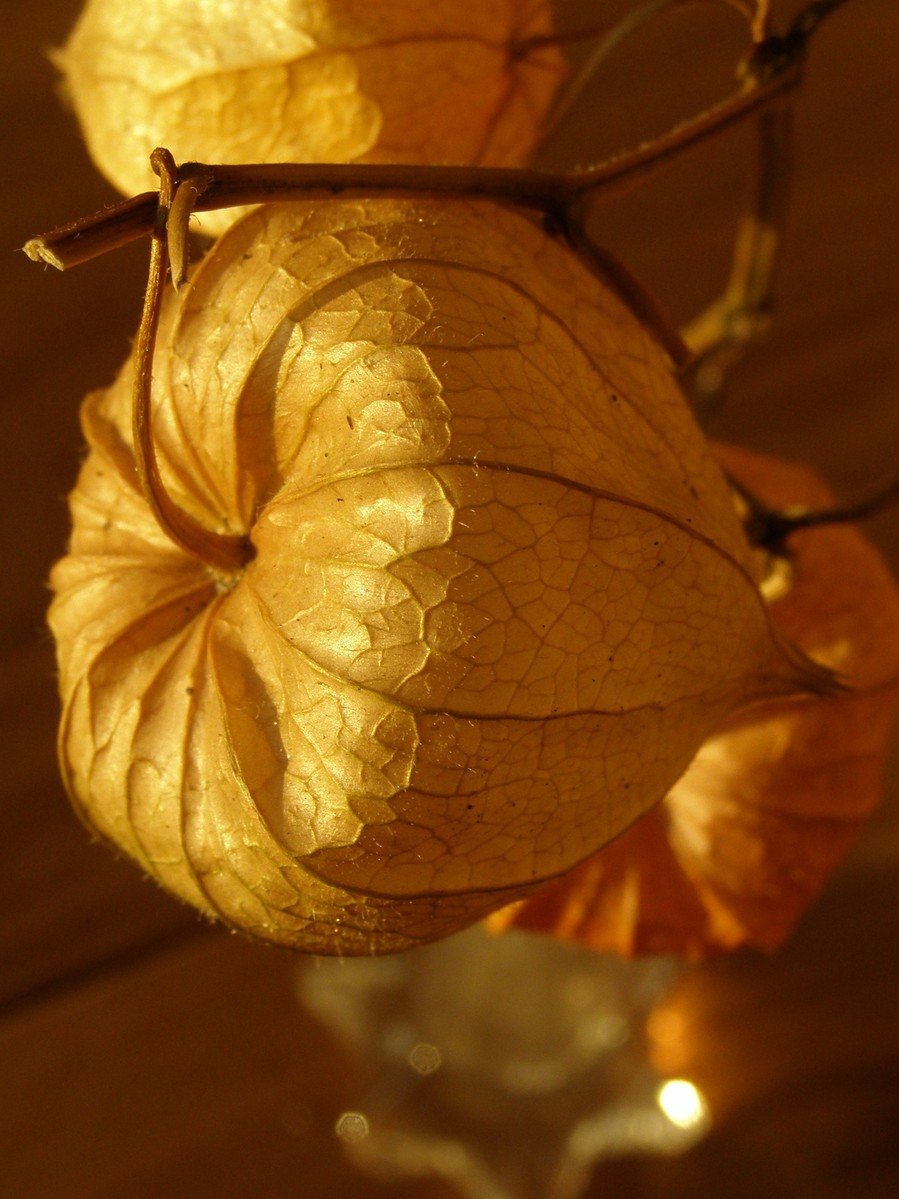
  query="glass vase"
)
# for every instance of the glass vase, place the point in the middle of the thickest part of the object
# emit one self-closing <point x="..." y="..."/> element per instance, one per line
<point x="507" y="1065"/>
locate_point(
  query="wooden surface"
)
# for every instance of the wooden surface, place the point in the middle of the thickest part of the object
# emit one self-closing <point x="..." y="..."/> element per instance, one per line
<point x="143" y="1053"/>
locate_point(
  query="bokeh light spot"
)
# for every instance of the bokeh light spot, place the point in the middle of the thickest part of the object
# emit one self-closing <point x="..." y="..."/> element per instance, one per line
<point x="683" y="1103"/>
<point x="351" y="1127"/>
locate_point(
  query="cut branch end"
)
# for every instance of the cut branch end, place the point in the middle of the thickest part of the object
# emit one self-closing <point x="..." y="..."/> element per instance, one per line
<point x="38" y="251"/>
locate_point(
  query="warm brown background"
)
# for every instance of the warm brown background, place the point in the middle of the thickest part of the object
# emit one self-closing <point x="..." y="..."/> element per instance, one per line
<point x="145" y="1054"/>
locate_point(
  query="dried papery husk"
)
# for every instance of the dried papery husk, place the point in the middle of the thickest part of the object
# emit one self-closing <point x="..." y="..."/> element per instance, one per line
<point x="308" y="81"/>
<point x="747" y="839"/>
<point x="500" y="594"/>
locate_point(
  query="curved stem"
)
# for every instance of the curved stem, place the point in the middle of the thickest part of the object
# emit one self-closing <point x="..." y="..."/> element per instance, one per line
<point x="768" y="528"/>
<point x="607" y="41"/>
<point x="224" y="553"/>
<point x="594" y="33"/>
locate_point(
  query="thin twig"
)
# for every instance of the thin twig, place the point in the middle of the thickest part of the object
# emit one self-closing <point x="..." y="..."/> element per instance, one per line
<point x="607" y="41"/>
<point x="551" y="191"/>
<point x="109" y="229"/>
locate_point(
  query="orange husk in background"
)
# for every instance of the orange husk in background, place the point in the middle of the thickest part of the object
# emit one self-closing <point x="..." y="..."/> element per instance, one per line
<point x="749" y="835"/>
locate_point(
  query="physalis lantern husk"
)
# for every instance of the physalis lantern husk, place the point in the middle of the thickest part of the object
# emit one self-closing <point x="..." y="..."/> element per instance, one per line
<point x="499" y="598"/>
